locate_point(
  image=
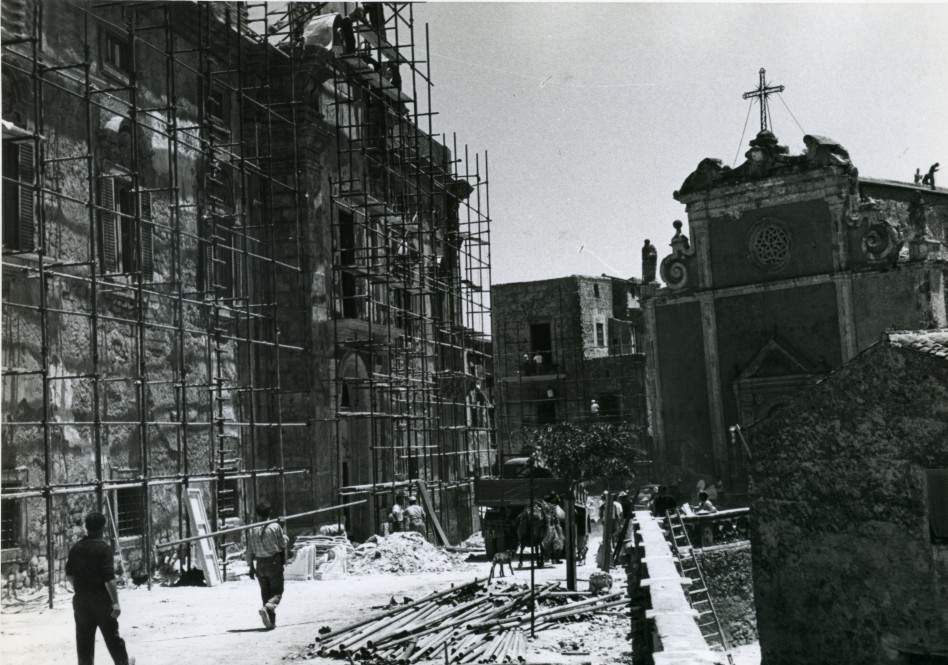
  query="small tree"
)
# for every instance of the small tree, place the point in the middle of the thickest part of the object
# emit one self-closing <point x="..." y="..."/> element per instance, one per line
<point x="589" y="451"/>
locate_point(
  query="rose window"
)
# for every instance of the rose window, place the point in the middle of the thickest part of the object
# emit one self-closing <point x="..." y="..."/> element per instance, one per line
<point x="770" y="245"/>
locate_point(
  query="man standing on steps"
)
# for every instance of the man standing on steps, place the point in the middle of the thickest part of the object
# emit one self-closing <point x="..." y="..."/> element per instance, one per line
<point x="95" y="604"/>
<point x="266" y="555"/>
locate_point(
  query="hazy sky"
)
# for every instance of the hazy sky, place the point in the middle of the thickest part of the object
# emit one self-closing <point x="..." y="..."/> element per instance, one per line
<point x="593" y="114"/>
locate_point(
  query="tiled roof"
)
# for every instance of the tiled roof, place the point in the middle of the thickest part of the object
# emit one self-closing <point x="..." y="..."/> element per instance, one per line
<point x="932" y="342"/>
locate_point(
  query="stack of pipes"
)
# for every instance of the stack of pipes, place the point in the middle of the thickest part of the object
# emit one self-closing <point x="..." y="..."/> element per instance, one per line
<point x="463" y="624"/>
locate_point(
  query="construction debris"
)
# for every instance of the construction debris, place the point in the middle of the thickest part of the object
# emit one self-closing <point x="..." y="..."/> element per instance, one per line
<point x="475" y="542"/>
<point x="319" y="558"/>
<point x="600" y="582"/>
<point x="403" y="552"/>
<point x="472" y="623"/>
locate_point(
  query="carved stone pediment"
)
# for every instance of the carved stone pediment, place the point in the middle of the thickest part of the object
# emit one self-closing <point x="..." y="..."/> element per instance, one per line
<point x="767" y="157"/>
<point x="773" y="378"/>
<point x="774" y="359"/>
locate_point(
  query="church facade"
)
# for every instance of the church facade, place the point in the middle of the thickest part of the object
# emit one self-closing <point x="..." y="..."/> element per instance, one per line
<point x="790" y="266"/>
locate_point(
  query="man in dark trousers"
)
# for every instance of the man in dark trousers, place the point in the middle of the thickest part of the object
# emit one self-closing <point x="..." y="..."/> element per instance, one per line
<point x="95" y="604"/>
<point x="266" y="555"/>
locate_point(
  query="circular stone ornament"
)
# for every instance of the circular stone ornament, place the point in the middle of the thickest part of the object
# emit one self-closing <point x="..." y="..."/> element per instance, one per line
<point x="769" y="244"/>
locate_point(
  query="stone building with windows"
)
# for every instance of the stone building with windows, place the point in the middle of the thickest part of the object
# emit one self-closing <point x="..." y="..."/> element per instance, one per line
<point x="789" y="266"/>
<point x="567" y="349"/>
<point x="234" y="262"/>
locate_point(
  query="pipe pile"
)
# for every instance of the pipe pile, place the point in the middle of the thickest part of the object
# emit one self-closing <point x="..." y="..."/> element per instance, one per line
<point x="465" y="624"/>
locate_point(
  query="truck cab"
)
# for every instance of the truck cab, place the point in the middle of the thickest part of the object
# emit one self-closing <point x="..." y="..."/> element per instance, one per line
<point x="505" y="498"/>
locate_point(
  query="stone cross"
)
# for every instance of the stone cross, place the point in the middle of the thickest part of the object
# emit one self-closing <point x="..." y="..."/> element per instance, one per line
<point x="761" y="93"/>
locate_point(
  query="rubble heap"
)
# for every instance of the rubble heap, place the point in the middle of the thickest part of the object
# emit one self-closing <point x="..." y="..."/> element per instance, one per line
<point x="475" y="542"/>
<point x="403" y="552"/>
<point x="472" y="623"/>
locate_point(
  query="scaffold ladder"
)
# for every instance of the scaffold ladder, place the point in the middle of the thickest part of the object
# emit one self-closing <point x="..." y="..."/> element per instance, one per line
<point x="698" y="594"/>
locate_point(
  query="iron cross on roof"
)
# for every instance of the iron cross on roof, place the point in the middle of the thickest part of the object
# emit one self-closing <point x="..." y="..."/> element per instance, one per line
<point x="761" y="93"/>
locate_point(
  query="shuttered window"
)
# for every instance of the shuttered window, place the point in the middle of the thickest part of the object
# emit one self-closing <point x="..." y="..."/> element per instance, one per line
<point x="19" y="197"/>
<point x="148" y="236"/>
<point x="222" y="258"/>
<point x="108" y="231"/>
<point x="118" y="231"/>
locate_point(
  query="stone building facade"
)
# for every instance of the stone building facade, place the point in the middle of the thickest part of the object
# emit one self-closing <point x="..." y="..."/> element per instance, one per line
<point x="849" y="489"/>
<point x="587" y="333"/>
<point x="789" y="267"/>
<point x="191" y="195"/>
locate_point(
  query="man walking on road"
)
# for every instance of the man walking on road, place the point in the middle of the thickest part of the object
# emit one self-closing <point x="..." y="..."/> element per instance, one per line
<point x="95" y="604"/>
<point x="266" y="556"/>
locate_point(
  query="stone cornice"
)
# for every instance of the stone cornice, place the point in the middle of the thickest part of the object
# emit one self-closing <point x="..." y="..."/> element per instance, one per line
<point x="666" y="296"/>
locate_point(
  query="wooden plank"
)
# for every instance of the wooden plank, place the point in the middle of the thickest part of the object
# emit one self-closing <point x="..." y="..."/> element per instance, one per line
<point x="115" y="534"/>
<point x="202" y="526"/>
<point x="429" y="508"/>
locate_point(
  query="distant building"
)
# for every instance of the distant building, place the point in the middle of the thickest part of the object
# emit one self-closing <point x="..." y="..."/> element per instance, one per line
<point x="790" y="266"/>
<point x="849" y="489"/>
<point x="567" y="349"/>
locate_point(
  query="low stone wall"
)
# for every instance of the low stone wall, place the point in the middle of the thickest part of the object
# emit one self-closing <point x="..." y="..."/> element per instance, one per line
<point x="728" y="574"/>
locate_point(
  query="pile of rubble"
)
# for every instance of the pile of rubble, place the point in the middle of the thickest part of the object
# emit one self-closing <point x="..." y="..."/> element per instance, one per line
<point x="475" y="542"/>
<point x="401" y="553"/>
<point x="473" y="623"/>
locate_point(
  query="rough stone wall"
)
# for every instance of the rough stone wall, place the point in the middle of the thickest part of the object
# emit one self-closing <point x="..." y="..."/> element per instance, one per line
<point x="843" y="561"/>
<point x="125" y="348"/>
<point x="728" y="573"/>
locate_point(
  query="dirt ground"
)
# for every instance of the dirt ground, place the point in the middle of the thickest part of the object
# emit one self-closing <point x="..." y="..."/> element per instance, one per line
<point x="205" y="625"/>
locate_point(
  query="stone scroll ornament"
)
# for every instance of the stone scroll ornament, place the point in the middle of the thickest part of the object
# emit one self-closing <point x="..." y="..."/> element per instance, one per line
<point x="882" y="241"/>
<point x="676" y="267"/>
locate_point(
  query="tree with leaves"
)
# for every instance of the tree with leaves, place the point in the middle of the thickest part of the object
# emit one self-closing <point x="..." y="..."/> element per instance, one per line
<point x="574" y="451"/>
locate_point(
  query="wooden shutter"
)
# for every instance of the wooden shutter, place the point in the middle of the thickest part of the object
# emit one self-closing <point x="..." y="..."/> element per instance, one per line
<point x="27" y="208"/>
<point x="148" y="237"/>
<point x="107" y="225"/>
<point x="206" y="247"/>
<point x="238" y="263"/>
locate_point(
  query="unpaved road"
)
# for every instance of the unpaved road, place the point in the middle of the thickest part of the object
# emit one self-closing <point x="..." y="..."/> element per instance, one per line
<point x="203" y="625"/>
<point x="206" y="626"/>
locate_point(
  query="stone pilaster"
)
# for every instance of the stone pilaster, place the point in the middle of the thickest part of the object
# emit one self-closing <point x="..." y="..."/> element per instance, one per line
<point x="847" y="324"/>
<point x="709" y="335"/>
<point x="653" y="384"/>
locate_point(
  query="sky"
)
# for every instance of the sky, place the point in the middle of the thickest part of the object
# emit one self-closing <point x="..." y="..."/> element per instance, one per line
<point x="592" y="114"/>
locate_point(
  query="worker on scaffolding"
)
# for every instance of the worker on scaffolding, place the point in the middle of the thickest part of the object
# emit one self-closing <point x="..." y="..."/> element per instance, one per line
<point x="95" y="604"/>
<point x="266" y="555"/>
<point x="416" y="516"/>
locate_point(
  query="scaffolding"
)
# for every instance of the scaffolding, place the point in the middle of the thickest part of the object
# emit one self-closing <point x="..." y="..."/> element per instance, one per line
<point x="567" y="350"/>
<point x="145" y="276"/>
<point x="410" y="299"/>
<point x="165" y="325"/>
